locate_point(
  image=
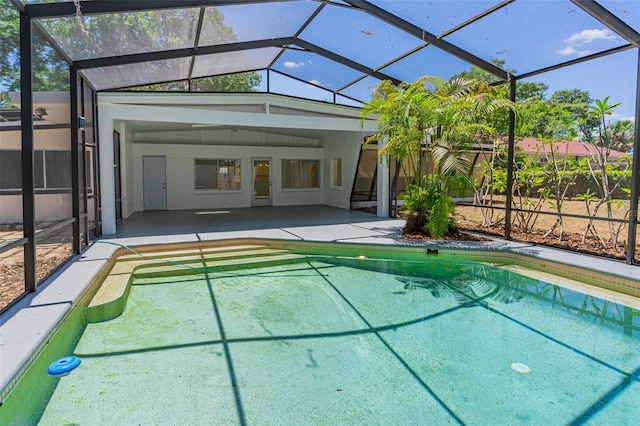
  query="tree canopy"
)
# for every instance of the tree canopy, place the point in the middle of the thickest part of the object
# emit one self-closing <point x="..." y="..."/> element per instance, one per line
<point x="51" y="71"/>
<point x="564" y="114"/>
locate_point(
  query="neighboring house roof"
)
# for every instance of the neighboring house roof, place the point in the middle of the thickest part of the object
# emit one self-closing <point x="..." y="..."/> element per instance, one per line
<point x="573" y="148"/>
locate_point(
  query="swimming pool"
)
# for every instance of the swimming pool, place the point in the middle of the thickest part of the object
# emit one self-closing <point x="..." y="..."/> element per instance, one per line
<point x="324" y="336"/>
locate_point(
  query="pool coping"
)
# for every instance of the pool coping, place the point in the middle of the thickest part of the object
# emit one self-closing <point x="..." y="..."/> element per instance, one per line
<point x="26" y="327"/>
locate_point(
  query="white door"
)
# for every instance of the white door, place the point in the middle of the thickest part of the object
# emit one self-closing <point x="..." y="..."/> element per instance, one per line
<point x="261" y="182"/>
<point x="154" y="184"/>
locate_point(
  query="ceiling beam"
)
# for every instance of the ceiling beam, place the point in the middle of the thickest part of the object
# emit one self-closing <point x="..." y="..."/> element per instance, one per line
<point x="181" y="53"/>
<point x="68" y="8"/>
<point x="477" y="17"/>
<point x="426" y="36"/>
<point x="196" y="42"/>
<point x="302" y="28"/>
<point x="610" y="20"/>
<point x="344" y="61"/>
<point x="17" y="4"/>
<point x="576" y="61"/>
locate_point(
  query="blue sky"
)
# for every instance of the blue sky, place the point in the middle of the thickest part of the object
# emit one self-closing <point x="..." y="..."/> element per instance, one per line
<point x="527" y="34"/>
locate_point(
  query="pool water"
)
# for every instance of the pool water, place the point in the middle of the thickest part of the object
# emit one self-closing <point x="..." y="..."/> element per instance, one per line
<point x="343" y="340"/>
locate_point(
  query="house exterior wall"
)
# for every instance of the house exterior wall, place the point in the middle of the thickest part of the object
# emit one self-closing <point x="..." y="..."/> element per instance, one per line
<point x="278" y="128"/>
<point x="180" y="172"/>
<point x="51" y="205"/>
<point x="127" y="169"/>
<point x="345" y="146"/>
<point x="238" y="127"/>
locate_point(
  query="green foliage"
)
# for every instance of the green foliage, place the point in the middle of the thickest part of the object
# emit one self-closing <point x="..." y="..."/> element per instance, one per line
<point x="429" y="207"/>
<point x="107" y="35"/>
<point x="50" y="70"/>
<point x="428" y="127"/>
<point x="621" y="135"/>
<point x="241" y="82"/>
<point x="576" y="101"/>
<point x="543" y="118"/>
<point x="526" y="90"/>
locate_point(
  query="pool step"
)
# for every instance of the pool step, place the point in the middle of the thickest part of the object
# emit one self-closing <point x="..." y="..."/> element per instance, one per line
<point x="218" y="264"/>
<point x="177" y="254"/>
<point x="110" y="299"/>
<point x="174" y="262"/>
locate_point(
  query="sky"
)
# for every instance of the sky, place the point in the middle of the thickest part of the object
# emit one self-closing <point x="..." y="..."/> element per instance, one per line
<point x="527" y="34"/>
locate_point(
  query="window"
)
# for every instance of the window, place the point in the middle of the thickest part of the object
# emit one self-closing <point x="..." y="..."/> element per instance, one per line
<point x="10" y="170"/>
<point x="300" y="174"/>
<point x="217" y="174"/>
<point x="52" y="170"/>
<point x="336" y="172"/>
<point x="57" y="169"/>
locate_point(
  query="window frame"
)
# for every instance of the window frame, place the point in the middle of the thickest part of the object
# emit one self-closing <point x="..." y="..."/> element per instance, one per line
<point x="228" y="164"/>
<point x="336" y="173"/>
<point x="286" y="174"/>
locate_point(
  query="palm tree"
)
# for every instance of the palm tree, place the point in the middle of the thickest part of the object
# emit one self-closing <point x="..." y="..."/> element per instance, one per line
<point x="428" y="127"/>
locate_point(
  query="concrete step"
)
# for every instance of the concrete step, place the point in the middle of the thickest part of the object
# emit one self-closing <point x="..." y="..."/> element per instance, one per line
<point x="110" y="299"/>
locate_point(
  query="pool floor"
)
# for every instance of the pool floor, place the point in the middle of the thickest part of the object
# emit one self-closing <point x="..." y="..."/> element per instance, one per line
<point x="319" y="342"/>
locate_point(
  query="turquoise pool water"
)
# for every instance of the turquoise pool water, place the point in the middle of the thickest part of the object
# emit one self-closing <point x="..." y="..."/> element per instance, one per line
<point x="343" y="340"/>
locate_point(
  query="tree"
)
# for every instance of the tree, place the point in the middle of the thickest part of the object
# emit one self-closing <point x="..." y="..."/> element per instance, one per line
<point x="540" y="118"/>
<point x="94" y="36"/>
<point x="608" y="177"/>
<point x="478" y="74"/>
<point x="621" y="135"/>
<point x="527" y="89"/>
<point x="576" y="101"/>
<point x="241" y="82"/>
<point x="50" y="70"/>
<point x="427" y="127"/>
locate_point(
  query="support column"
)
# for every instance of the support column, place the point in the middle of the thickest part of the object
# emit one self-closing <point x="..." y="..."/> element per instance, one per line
<point x="75" y="173"/>
<point x="383" y="184"/>
<point x="635" y="176"/>
<point x="26" y="124"/>
<point x="510" y="160"/>
<point x="107" y="190"/>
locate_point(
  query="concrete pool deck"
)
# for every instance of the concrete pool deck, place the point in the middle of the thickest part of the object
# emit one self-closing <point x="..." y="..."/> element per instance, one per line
<point x="25" y="326"/>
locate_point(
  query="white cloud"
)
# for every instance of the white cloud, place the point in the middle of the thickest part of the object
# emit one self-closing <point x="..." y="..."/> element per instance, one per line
<point x="290" y="64"/>
<point x="618" y="117"/>
<point x="316" y="82"/>
<point x="566" y="51"/>
<point x="577" y="40"/>
<point x="569" y="50"/>
<point x="587" y="36"/>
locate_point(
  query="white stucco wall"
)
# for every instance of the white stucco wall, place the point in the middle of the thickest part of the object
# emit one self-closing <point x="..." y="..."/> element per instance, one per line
<point x="126" y="169"/>
<point x="271" y="127"/>
<point x="345" y="146"/>
<point x="224" y="127"/>
<point x="181" y="193"/>
<point x="10" y="209"/>
<point x="49" y="207"/>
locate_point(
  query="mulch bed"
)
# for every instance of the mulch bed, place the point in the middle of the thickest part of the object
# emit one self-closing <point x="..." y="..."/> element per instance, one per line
<point x="570" y="241"/>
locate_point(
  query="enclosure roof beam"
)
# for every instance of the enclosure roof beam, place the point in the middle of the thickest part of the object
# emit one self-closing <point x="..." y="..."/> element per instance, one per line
<point x="56" y="10"/>
<point x="426" y="36"/>
<point x="576" y="61"/>
<point x="344" y="61"/>
<point x="610" y="20"/>
<point x="181" y="53"/>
